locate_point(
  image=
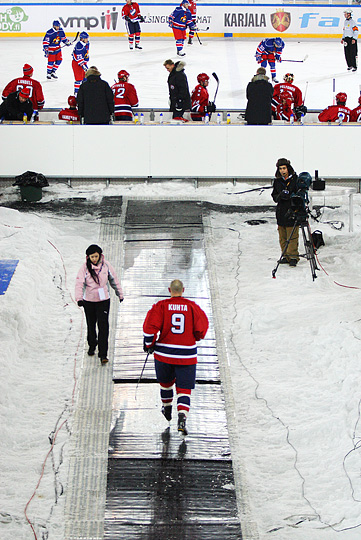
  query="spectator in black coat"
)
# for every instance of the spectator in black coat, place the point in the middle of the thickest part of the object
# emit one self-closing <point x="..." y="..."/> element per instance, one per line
<point x="179" y="96"/>
<point x="95" y="99"/>
<point x="16" y="105"/>
<point x="259" y="95"/>
<point x="284" y="185"/>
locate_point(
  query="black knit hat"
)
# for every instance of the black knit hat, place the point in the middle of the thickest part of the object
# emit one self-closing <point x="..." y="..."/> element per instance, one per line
<point x="94" y="249"/>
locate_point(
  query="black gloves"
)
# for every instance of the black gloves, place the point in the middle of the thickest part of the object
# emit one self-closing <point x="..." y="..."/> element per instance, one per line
<point x="149" y="350"/>
<point x="210" y="108"/>
<point x="128" y="19"/>
<point x="285" y="195"/>
<point x="141" y="18"/>
<point x="300" y="110"/>
<point x="80" y="303"/>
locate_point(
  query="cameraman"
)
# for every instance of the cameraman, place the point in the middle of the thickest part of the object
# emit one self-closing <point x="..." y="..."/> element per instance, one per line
<point x="285" y="183"/>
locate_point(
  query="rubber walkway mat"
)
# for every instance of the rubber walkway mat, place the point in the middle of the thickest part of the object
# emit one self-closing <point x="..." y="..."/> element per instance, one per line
<point x="160" y="487"/>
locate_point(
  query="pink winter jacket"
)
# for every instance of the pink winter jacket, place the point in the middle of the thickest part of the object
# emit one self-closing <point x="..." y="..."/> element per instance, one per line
<point x="87" y="289"/>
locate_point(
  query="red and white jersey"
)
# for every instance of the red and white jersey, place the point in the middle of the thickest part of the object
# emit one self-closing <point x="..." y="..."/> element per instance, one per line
<point x="70" y="115"/>
<point x="125" y="97"/>
<point x="291" y="90"/>
<point x="334" y="112"/>
<point x="284" y="110"/>
<point x="200" y="99"/>
<point x="36" y="91"/>
<point x="356" y="114"/>
<point x="132" y="11"/>
<point x="193" y="8"/>
<point x="180" y="322"/>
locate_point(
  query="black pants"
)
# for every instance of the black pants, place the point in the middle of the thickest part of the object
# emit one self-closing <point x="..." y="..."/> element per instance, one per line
<point x="97" y="313"/>
<point x="350" y="52"/>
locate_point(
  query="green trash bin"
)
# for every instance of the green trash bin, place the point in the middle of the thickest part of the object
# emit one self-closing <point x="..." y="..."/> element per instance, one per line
<point x="31" y="193"/>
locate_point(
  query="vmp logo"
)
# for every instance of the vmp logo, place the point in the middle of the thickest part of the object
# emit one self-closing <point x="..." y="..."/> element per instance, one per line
<point x="107" y="21"/>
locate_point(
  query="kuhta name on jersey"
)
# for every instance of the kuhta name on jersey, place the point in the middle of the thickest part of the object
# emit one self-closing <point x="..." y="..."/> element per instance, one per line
<point x="177" y="307"/>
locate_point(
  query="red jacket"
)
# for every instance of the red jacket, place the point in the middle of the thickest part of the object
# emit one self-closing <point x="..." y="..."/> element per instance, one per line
<point x="200" y="99"/>
<point x="180" y="322"/>
<point x="331" y="114"/>
<point x="36" y="91"/>
<point x="356" y="114"/>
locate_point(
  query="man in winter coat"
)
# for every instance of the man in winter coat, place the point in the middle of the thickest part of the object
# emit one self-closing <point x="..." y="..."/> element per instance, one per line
<point x="17" y="105"/>
<point x="259" y="95"/>
<point x="179" y="96"/>
<point x="95" y="99"/>
<point x="284" y="185"/>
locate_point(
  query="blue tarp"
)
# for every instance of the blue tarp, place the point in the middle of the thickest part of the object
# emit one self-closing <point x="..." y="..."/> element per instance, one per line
<point x="7" y="269"/>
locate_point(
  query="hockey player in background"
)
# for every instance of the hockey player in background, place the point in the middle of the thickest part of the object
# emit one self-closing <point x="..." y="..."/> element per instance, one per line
<point x="131" y="15"/>
<point x="270" y="50"/>
<point x="171" y="329"/>
<point x="338" y="112"/>
<point x="293" y="93"/>
<point x="70" y="114"/>
<point x="356" y="113"/>
<point x="200" y="99"/>
<point x="284" y="108"/>
<point x="52" y="50"/>
<point x="192" y="6"/>
<point x="179" y="20"/>
<point x="125" y="97"/>
<point x="349" y="40"/>
<point x="26" y="81"/>
<point x="80" y="60"/>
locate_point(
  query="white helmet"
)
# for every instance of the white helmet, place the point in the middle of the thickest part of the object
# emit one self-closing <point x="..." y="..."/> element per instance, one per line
<point x="348" y="11"/>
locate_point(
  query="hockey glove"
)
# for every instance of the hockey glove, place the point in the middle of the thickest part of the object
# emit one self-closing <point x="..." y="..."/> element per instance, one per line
<point x="80" y="303"/>
<point x="128" y="19"/>
<point x="121" y="300"/>
<point x="300" y="110"/>
<point x="210" y="108"/>
<point x="179" y="105"/>
<point x="46" y="53"/>
<point x="149" y="350"/>
<point x="285" y="195"/>
<point x="141" y="18"/>
<point x="278" y="58"/>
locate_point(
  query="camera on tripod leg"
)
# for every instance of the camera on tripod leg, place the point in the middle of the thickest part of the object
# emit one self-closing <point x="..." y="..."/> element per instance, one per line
<point x="299" y="200"/>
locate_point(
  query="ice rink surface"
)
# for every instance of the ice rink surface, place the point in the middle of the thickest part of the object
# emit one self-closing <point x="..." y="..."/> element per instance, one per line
<point x="232" y="59"/>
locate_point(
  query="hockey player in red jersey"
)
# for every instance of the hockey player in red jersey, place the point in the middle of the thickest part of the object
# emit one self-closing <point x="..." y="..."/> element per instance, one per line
<point x="284" y="109"/>
<point x="125" y="97"/>
<point x="192" y="6"/>
<point x="131" y="15"/>
<point x="70" y="114"/>
<point x="26" y="81"/>
<point x="171" y="329"/>
<point x="200" y="99"/>
<point x="292" y="91"/>
<point x="338" y="112"/>
<point x="356" y="113"/>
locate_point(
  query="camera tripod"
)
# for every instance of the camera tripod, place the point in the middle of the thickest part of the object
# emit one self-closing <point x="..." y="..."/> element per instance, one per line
<point x="302" y="222"/>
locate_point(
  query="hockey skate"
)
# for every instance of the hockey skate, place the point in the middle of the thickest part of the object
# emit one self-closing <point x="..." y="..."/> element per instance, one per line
<point x="131" y="47"/>
<point x="137" y="46"/>
<point x="48" y="76"/>
<point x="182" y="430"/>
<point x="190" y="41"/>
<point x="167" y="412"/>
<point x="181" y="53"/>
<point x="53" y="75"/>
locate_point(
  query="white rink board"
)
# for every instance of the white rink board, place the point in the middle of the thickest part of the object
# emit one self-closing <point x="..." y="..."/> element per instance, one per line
<point x="172" y="151"/>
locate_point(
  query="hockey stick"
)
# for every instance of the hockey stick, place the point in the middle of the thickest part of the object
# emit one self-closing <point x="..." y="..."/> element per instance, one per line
<point x="298" y="61"/>
<point x="249" y="190"/>
<point x="196" y="33"/>
<point x="203" y="29"/>
<point x="136" y="388"/>
<point x="216" y="77"/>
<point x="71" y="43"/>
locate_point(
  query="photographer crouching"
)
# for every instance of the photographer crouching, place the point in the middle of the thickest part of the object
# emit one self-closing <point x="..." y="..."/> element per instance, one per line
<point x="284" y="185"/>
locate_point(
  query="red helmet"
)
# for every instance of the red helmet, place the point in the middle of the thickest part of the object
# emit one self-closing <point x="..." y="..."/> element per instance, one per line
<point x="202" y="77"/>
<point x="359" y="100"/>
<point x="123" y="75"/>
<point x="72" y="101"/>
<point x="341" y="97"/>
<point x="289" y="77"/>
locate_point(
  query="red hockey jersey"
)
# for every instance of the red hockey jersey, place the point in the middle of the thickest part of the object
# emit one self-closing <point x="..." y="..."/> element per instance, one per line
<point x="293" y="92"/>
<point x="200" y="99"/>
<point x="331" y="114"/>
<point x="356" y="114"/>
<point x="36" y="92"/>
<point x="125" y="97"/>
<point x="71" y="115"/>
<point x="180" y="322"/>
<point x="132" y="11"/>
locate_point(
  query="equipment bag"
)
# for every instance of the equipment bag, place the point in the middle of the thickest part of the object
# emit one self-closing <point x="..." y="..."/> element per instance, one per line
<point x="317" y="239"/>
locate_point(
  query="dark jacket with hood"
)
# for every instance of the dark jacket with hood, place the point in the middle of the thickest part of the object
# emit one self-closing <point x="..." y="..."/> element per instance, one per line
<point x="283" y="200"/>
<point x="95" y="99"/>
<point x="259" y="95"/>
<point x="178" y="88"/>
<point x="13" y="109"/>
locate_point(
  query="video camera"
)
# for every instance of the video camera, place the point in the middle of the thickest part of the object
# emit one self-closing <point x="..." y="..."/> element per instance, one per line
<point x="299" y="200"/>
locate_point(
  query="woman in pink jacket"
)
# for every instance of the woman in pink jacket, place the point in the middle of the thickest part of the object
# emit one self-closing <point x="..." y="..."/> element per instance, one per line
<point x="92" y="293"/>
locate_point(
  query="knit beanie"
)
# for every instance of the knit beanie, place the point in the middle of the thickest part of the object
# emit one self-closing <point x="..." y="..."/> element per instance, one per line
<point x="28" y="70"/>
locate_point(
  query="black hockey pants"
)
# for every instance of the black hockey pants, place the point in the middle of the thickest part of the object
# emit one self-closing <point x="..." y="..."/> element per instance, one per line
<point x="350" y="52"/>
